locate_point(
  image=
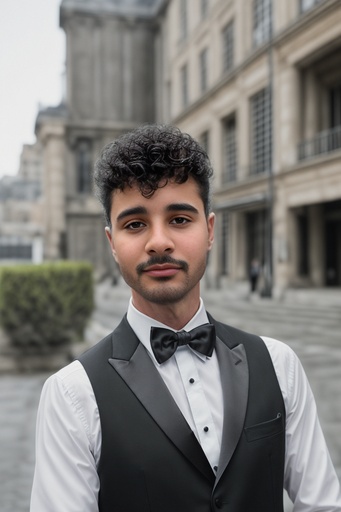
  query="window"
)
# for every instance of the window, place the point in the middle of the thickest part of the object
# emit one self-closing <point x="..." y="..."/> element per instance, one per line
<point x="203" y="59"/>
<point x="204" y="8"/>
<point x="329" y="138"/>
<point x="261" y="136"/>
<point x="183" y="19"/>
<point x="308" y="4"/>
<point x="228" y="46"/>
<point x="204" y="141"/>
<point x="84" y="166"/>
<point x="262" y="21"/>
<point x="15" y="248"/>
<point x="229" y="150"/>
<point x="184" y="85"/>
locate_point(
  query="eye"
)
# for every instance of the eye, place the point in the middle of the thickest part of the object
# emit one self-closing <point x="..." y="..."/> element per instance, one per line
<point x="180" y="220"/>
<point x="134" y="225"/>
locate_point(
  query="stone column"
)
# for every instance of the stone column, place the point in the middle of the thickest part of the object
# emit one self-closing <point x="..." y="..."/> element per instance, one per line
<point x="292" y="247"/>
<point x="280" y="243"/>
<point x="52" y="137"/>
<point x="243" y="145"/>
<point x="37" y="249"/>
<point x="288" y="113"/>
<point x="238" y="246"/>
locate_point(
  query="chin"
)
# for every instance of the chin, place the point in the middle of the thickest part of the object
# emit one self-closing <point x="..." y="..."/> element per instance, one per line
<point x="166" y="294"/>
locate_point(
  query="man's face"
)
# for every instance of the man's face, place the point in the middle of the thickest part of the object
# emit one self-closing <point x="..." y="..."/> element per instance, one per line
<point x="161" y="243"/>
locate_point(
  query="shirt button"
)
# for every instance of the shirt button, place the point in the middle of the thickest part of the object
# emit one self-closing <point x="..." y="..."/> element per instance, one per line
<point x="215" y="468"/>
<point x="191" y="381"/>
<point x="206" y="429"/>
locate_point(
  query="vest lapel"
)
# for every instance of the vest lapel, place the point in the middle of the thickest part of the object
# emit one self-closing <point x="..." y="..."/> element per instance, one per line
<point x="235" y="383"/>
<point x="132" y="362"/>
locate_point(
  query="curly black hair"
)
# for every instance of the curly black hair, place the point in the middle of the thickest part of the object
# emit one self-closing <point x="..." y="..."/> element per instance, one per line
<point x="148" y="157"/>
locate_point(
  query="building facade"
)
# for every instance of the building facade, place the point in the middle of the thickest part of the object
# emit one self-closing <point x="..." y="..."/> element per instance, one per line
<point x="21" y="210"/>
<point x="257" y="82"/>
<point x="110" y="88"/>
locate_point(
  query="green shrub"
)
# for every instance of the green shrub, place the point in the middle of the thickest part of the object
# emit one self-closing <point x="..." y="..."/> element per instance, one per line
<point x="45" y="305"/>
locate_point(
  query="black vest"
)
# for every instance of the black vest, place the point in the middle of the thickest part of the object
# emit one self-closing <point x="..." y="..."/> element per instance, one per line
<point x="141" y="470"/>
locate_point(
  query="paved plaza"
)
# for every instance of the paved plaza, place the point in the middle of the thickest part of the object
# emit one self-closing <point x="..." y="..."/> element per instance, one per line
<point x="309" y="322"/>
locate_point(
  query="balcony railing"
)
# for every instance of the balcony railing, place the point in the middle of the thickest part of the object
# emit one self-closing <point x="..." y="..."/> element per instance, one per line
<point x="305" y="5"/>
<point x="324" y="142"/>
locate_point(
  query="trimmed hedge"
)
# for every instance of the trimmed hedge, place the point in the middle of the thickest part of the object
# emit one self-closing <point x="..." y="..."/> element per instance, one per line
<point x="45" y="305"/>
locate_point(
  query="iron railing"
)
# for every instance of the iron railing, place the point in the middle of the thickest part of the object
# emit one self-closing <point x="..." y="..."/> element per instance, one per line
<point x="324" y="142"/>
<point x="306" y="5"/>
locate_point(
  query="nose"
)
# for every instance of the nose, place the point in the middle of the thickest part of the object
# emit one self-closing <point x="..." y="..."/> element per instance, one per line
<point x="159" y="241"/>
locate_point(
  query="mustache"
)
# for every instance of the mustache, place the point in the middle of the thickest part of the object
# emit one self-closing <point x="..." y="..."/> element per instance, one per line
<point x="161" y="260"/>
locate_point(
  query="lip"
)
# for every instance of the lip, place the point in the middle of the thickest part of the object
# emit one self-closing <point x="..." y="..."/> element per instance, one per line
<point x="162" y="270"/>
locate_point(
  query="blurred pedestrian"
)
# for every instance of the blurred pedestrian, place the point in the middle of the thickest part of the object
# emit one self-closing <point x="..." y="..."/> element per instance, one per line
<point x="174" y="411"/>
<point x="254" y="274"/>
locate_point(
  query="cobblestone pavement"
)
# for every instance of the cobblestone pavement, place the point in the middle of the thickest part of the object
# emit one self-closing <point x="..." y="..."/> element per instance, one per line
<point x="19" y="395"/>
<point x="312" y="328"/>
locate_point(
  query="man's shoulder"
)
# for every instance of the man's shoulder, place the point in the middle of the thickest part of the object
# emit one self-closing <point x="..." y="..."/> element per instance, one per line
<point x="101" y="346"/>
<point x="70" y="383"/>
<point x="280" y="353"/>
<point x="233" y="336"/>
<point x="73" y="379"/>
<point x="120" y="342"/>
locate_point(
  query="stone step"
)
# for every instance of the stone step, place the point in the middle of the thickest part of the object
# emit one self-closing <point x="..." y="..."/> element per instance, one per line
<point x="272" y="309"/>
<point x="298" y="316"/>
<point x="297" y="302"/>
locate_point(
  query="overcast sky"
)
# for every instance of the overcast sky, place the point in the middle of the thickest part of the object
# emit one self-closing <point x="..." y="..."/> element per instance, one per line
<point x="32" y="61"/>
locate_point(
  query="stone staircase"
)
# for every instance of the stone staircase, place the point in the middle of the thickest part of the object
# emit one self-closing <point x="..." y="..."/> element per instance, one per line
<point x="308" y="314"/>
<point x="300" y="315"/>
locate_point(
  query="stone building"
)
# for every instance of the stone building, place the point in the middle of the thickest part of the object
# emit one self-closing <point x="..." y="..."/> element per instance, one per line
<point x="110" y="88"/>
<point x="21" y="210"/>
<point x="258" y="82"/>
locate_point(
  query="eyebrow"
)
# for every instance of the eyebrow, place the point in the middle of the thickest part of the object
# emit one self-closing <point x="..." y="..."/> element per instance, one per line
<point x="141" y="210"/>
<point x="175" y="207"/>
<point x="137" y="210"/>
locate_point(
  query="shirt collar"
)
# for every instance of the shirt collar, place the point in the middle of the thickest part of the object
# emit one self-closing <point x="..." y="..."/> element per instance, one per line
<point x="141" y="325"/>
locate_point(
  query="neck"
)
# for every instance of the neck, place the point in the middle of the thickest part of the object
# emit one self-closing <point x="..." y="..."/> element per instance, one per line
<point x="175" y="315"/>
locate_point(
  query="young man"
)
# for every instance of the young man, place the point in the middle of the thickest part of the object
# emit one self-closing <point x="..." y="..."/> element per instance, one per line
<point x="173" y="411"/>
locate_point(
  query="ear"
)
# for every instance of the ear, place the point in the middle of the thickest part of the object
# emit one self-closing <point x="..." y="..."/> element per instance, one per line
<point x="111" y="241"/>
<point x="210" y="229"/>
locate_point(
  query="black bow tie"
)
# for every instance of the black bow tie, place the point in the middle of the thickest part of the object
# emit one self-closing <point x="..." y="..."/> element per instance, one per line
<point x="164" y="342"/>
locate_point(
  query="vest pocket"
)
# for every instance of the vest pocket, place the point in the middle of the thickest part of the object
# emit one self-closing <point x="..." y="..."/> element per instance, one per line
<point x="265" y="429"/>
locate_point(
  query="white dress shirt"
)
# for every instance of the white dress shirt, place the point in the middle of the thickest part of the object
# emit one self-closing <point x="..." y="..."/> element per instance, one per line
<point x="68" y="439"/>
<point x="198" y="392"/>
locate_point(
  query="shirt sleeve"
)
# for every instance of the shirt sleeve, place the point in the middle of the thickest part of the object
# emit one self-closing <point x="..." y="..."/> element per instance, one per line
<point x="65" y="478"/>
<point x="310" y="478"/>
